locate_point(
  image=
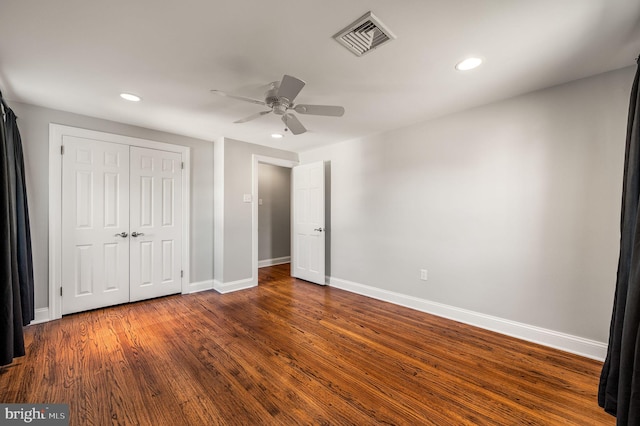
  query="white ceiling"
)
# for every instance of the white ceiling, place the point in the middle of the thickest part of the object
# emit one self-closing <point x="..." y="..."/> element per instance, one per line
<point x="78" y="55"/>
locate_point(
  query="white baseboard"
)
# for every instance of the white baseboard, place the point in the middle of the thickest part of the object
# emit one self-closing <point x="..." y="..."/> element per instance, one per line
<point x="41" y="315"/>
<point x="566" y="342"/>
<point x="223" y="288"/>
<point x="275" y="261"/>
<point x="199" y="286"/>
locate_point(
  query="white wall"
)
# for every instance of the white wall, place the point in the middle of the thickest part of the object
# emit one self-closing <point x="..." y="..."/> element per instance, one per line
<point x="33" y="122"/>
<point x="274" y="214"/>
<point x="513" y="208"/>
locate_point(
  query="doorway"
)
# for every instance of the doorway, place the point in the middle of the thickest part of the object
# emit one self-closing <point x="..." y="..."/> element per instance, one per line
<point x="274" y="215"/>
<point x="256" y="161"/>
<point x="308" y="228"/>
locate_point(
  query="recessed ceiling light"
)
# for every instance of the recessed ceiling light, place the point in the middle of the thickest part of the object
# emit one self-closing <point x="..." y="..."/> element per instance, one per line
<point x="276" y="135"/>
<point x="468" y="64"/>
<point x="130" y="97"/>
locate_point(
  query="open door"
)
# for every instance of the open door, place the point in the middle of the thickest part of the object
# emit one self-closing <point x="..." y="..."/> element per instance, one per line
<point x="308" y="233"/>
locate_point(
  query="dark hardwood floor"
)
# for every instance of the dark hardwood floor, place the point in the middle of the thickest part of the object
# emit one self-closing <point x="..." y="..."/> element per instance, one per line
<point x="289" y="353"/>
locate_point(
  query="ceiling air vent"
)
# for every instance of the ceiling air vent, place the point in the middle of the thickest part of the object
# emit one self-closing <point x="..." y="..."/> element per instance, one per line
<point x="364" y="35"/>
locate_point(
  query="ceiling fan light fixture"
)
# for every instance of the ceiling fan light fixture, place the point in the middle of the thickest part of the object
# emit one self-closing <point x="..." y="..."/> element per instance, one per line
<point x="468" y="64"/>
<point x="130" y="97"/>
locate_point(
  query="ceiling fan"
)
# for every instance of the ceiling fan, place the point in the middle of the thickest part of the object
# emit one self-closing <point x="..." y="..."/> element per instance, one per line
<point x="279" y="99"/>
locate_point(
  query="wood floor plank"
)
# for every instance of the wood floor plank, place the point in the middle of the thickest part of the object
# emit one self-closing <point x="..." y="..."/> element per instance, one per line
<point x="290" y="352"/>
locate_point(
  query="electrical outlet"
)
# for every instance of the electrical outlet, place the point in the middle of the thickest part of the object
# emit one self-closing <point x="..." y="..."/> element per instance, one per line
<point x="423" y="274"/>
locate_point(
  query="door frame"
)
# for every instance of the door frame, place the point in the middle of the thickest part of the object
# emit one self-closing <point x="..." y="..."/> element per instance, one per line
<point x="255" y="161"/>
<point x="56" y="134"/>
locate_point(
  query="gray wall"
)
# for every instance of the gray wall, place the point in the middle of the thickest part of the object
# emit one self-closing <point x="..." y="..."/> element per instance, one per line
<point x="233" y="219"/>
<point x="274" y="214"/>
<point x="513" y="208"/>
<point x="33" y="123"/>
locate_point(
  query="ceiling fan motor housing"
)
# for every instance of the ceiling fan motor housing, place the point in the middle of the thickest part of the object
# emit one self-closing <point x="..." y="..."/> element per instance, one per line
<point x="280" y="108"/>
<point x="278" y="104"/>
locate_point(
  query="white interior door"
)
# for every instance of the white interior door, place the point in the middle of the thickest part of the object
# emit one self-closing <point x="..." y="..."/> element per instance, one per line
<point x="308" y="234"/>
<point x="95" y="224"/>
<point x="156" y="223"/>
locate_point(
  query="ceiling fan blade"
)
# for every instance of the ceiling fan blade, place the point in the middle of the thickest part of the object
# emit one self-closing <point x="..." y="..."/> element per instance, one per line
<point x="328" y="110"/>
<point x="290" y="87"/>
<point x="240" y="98"/>
<point x="252" y="117"/>
<point x="293" y="124"/>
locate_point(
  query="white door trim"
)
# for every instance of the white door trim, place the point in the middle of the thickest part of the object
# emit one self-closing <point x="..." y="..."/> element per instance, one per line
<point x="257" y="159"/>
<point x="56" y="134"/>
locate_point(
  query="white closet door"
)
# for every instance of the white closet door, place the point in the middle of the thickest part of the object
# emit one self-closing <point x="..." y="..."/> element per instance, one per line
<point x="95" y="224"/>
<point x="156" y="223"/>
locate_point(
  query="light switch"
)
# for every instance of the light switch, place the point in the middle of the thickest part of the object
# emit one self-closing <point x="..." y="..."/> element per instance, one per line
<point x="259" y="201"/>
<point x="247" y="198"/>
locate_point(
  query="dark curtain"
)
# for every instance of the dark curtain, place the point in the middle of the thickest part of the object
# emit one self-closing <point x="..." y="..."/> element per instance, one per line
<point x="619" y="390"/>
<point x="16" y="267"/>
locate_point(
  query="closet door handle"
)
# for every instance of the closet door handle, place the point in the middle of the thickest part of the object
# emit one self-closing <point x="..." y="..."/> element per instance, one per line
<point x="122" y="234"/>
<point x="137" y="234"/>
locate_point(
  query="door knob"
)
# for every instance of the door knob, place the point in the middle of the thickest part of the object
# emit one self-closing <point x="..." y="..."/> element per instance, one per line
<point x="319" y="229"/>
<point x="122" y="234"/>
<point x="137" y="234"/>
